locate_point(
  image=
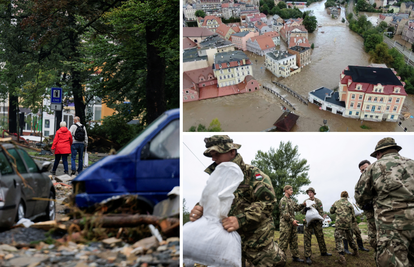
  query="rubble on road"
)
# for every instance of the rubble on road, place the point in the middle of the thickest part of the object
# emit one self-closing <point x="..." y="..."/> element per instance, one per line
<point x="112" y="233"/>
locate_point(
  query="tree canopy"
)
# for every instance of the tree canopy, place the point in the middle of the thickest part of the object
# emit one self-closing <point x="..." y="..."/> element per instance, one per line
<point x="284" y="167"/>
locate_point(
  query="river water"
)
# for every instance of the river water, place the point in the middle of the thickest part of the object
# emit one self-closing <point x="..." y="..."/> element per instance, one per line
<point x="336" y="47"/>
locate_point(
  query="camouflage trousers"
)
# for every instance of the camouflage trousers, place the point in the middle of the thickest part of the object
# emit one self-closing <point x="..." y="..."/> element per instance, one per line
<point x="356" y="231"/>
<point x="270" y="255"/>
<point x="395" y="248"/>
<point x="317" y="227"/>
<point x="341" y="234"/>
<point x="289" y="237"/>
<point x="372" y="229"/>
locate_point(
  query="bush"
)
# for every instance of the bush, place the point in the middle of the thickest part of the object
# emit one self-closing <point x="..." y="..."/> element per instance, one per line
<point x="324" y="128"/>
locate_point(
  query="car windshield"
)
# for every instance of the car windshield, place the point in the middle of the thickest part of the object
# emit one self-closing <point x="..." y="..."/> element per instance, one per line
<point x="138" y="140"/>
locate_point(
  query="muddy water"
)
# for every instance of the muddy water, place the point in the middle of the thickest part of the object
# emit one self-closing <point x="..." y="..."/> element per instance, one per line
<point x="336" y="47"/>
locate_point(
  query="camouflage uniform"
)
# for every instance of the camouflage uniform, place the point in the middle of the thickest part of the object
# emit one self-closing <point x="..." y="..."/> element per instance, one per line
<point x="345" y="217"/>
<point x="288" y="232"/>
<point x="317" y="227"/>
<point x="389" y="184"/>
<point x="252" y="206"/>
<point x="372" y="229"/>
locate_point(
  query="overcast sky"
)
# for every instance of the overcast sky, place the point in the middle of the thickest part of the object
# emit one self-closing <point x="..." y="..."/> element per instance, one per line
<point x="332" y="157"/>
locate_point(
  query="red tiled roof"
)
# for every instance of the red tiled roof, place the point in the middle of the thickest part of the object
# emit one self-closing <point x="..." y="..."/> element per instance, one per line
<point x="369" y="88"/>
<point x="299" y="41"/>
<point x="196" y="32"/>
<point x="188" y="43"/>
<point x="223" y="29"/>
<point x="265" y="42"/>
<point x="234" y="64"/>
<point x="194" y="75"/>
<point x="207" y="18"/>
<point x="286" y="121"/>
<point x="271" y="34"/>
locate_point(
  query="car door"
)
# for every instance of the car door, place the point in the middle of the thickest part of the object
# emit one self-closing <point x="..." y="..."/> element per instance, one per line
<point x="41" y="182"/>
<point x="9" y="192"/>
<point x="30" y="187"/>
<point x="158" y="171"/>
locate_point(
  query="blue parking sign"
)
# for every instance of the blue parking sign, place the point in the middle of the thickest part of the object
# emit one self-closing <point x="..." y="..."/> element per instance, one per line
<point x="56" y="96"/>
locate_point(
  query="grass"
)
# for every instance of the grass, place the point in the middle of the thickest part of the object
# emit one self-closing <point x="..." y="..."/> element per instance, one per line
<point x="364" y="259"/>
<point x="363" y="126"/>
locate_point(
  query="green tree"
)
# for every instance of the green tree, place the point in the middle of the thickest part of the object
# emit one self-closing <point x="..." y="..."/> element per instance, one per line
<point x="313" y="46"/>
<point x="284" y="167"/>
<point x="310" y="22"/>
<point x="186" y="213"/>
<point x="282" y="5"/>
<point x="380" y="54"/>
<point x="382" y="26"/>
<point x="215" y="126"/>
<point x="299" y="217"/>
<point x="200" y="13"/>
<point x="372" y="41"/>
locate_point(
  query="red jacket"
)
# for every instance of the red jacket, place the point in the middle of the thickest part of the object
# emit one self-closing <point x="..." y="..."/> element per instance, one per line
<point x="63" y="141"/>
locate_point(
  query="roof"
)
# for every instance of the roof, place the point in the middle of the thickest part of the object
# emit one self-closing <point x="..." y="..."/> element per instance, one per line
<point x="207" y="18"/>
<point x="241" y="34"/>
<point x="299" y="49"/>
<point x="372" y="75"/>
<point x="328" y="95"/>
<point x="192" y="76"/>
<point x="286" y="121"/>
<point x="299" y="41"/>
<point x="231" y="57"/>
<point x="214" y="41"/>
<point x="192" y="55"/>
<point x="188" y="43"/>
<point x="196" y="32"/>
<point x="278" y="55"/>
<point x="265" y="42"/>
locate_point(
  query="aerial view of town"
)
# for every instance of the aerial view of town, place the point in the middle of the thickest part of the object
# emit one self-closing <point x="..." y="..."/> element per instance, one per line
<point x="267" y="65"/>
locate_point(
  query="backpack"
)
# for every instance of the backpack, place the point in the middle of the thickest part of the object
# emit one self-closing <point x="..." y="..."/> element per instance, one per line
<point x="79" y="133"/>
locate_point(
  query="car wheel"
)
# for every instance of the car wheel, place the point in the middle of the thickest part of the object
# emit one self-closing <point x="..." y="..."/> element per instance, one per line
<point x="20" y="211"/>
<point x="51" y="207"/>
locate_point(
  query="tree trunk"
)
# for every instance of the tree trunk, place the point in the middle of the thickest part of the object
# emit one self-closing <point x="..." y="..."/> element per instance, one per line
<point x="155" y="76"/>
<point x="13" y="108"/>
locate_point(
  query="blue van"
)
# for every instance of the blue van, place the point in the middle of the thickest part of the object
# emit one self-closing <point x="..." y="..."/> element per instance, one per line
<point x="148" y="166"/>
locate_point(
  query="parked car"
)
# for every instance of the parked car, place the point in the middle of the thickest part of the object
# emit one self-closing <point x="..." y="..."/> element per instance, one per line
<point x="148" y="166"/>
<point x="24" y="187"/>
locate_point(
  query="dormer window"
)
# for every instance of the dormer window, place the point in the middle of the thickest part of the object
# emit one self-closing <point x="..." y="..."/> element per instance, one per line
<point x="397" y="90"/>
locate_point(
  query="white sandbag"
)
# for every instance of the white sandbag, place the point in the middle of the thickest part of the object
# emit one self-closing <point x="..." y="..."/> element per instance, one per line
<point x="205" y="241"/>
<point x="312" y="214"/>
<point x="86" y="159"/>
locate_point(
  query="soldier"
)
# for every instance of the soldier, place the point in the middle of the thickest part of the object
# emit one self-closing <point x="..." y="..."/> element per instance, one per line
<point x="316" y="226"/>
<point x="389" y="184"/>
<point x="288" y="224"/>
<point x="345" y="217"/>
<point x="251" y="212"/>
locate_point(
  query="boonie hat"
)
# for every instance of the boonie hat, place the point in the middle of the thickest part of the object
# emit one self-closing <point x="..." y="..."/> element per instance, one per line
<point x="386" y="142"/>
<point x="311" y="189"/>
<point x="219" y="143"/>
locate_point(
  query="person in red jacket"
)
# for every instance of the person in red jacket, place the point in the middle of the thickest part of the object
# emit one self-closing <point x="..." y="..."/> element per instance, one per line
<point x="62" y="147"/>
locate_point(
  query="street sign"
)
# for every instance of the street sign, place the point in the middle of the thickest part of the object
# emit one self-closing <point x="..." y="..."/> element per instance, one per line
<point x="56" y="107"/>
<point x="56" y="96"/>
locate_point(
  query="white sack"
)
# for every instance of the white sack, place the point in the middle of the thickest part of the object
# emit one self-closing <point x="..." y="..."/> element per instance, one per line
<point x="312" y="214"/>
<point x="205" y="241"/>
<point x="86" y="158"/>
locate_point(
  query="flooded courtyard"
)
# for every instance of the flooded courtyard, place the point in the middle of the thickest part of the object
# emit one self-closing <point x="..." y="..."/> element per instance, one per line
<point x="336" y="47"/>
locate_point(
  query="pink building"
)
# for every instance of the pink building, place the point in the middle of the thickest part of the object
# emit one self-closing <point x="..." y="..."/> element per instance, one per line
<point x="371" y="93"/>
<point x="239" y="39"/>
<point x="195" y="80"/>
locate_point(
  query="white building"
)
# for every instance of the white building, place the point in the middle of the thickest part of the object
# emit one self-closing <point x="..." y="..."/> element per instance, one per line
<point x="281" y="63"/>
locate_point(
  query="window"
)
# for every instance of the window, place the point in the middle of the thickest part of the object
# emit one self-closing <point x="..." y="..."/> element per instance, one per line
<point x="395" y="108"/>
<point x="350" y="113"/>
<point x="367" y="106"/>
<point x="397" y="100"/>
<point x="369" y="98"/>
<point x="186" y="91"/>
<point x="388" y="108"/>
<point x="5" y="167"/>
<point x="47" y="124"/>
<point x="352" y="104"/>
<point x="381" y="99"/>
<point x="19" y="162"/>
<point x="166" y="144"/>
<point x="366" y="116"/>
<point x="357" y="113"/>
<point x="392" y="116"/>
<point x="379" y="108"/>
<point x="353" y="96"/>
<point x="375" y="99"/>
<point x="46" y="133"/>
<point x="360" y="97"/>
<point x="390" y="99"/>
<point x="29" y="161"/>
<point x="358" y="105"/>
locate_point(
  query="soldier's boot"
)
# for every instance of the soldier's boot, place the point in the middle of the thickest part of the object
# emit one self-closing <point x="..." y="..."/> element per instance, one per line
<point x="355" y="253"/>
<point x="326" y="254"/>
<point x="361" y="245"/>
<point x="308" y="260"/>
<point x="297" y="259"/>
<point x="341" y="259"/>
<point x="346" y="247"/>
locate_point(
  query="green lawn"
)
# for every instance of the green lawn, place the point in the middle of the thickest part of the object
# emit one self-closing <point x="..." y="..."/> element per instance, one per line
<point x="364" y="259"/>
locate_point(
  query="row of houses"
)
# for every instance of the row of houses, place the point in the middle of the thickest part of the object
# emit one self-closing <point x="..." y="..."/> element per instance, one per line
<point x="219" y="9"/>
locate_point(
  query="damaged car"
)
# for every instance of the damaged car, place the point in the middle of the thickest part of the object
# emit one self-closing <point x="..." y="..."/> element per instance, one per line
<point x="148" y="166"/>
<point x="26" y="190"/>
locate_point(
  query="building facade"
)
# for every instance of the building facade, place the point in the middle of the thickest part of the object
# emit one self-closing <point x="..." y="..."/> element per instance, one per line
<point x="281" y="63"/>
<point x="231" y="68"/>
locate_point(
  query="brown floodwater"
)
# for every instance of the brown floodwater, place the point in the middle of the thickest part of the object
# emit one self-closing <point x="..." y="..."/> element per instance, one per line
<point x="336" y="47"/>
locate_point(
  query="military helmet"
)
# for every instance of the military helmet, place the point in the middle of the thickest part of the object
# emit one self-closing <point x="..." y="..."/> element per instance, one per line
<point x="311" y="189"/>
<point x="219" y="143"/>
<point x="387" y="142"/>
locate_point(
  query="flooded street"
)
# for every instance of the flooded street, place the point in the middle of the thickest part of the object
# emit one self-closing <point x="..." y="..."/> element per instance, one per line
<point x="336" y="47"/>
